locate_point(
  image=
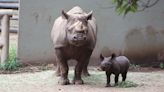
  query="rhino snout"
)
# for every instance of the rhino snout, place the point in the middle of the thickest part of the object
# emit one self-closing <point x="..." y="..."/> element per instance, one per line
<point x="105" y="66"/>
<point x="79" y="38"/>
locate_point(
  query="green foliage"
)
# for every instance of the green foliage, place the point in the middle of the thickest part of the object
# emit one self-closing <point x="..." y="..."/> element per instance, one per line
<point x="125" y="6"/>
<point x="126" y="84"/>
<point x="161" y="65"/>
<point x="11" y="62"/>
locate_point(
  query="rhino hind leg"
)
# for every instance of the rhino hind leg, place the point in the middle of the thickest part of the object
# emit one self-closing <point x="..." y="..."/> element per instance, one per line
<point x="58" y="70"/>
<point x="124" y="76"/>
<point x="85" y="69"/>
<point x="116" y="79"/>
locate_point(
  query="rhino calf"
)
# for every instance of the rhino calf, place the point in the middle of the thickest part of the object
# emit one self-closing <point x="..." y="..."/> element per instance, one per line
<point x="114" y="65"/>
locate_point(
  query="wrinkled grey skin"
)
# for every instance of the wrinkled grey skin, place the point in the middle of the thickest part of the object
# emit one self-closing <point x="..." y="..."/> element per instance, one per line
<point x="114" y="65"/>
<point x="74" y="37"/>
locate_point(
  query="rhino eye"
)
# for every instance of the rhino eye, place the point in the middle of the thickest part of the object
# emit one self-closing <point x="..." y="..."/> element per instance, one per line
<point x="69" y="30"/>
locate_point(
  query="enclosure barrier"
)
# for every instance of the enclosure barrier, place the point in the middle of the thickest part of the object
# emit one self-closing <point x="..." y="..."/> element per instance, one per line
<point x="14" y="5"/>
<point x="5" y="15"/>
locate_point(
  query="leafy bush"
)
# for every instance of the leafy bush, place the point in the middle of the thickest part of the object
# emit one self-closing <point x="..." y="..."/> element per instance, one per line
<point x="11" y="63"/>
<point x="125" y="6"/>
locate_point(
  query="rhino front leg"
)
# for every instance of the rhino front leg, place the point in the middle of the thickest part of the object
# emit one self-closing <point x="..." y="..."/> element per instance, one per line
<point x="78" y="70"/>
<point x="108" y="79"/>
<point x="82" y="61"/>
<point x="58" y="70"/>
<point x="85" y="68"/>
<point x="63" y="67"/>
<point x="64" y="75"/>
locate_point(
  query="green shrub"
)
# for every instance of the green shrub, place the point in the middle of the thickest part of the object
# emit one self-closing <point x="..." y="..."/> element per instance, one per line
<point x="11" y="63"/>
<point x="125" y="6"/>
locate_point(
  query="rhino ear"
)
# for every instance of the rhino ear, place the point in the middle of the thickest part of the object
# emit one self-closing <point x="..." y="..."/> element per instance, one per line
<point x="101" y="57"/>
<point x="64" y="15"/>
<point x="113" y="55"/>
<point x="89" y="15"/>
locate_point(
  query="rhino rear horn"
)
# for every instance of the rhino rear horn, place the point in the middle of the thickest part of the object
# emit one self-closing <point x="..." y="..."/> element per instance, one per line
<point x="65" y="15"/>
<point x="89" y="15"/>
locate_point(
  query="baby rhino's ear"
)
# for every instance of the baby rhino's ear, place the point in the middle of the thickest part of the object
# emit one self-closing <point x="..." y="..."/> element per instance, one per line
<point x="101" y="57"/>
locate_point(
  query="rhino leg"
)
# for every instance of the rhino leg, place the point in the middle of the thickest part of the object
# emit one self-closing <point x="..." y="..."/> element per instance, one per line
<point x="124" y="76"/>
<point x="78" y="70"/>
<point x="58" y="70"/>
<point x="85" y="68"/>
<point x="116" y="79"/>
<point x="108" y="79"/>
<point x="63" y="66"/>
<point x="64" y="73"/>
<point x="80" y="66"/>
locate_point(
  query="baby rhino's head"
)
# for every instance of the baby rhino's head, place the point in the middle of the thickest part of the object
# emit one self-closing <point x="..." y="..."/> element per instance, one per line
<point x="106" y="63"/>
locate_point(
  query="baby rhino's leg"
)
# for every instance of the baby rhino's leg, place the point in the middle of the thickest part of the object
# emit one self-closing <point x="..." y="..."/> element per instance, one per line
<point x="124" y="76"/>
<point x="116" y="79"/>
<point x="108" y="79"/>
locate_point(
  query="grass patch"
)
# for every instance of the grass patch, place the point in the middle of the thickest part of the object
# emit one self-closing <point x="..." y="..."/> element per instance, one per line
<point x="95" y="79"/>
<point x="11" y="63"/>
<point x="126" y="84"/>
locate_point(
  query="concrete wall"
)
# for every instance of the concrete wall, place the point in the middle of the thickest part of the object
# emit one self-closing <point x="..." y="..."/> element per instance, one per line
<point x="139" y="36"/>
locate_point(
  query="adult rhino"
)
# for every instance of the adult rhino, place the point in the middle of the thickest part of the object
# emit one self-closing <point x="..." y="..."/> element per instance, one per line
<point x="74" y="37"/>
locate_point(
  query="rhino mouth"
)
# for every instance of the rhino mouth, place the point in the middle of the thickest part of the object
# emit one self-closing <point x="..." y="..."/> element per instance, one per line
<point x="101" y="68"/>
<point x="78" y="42"/>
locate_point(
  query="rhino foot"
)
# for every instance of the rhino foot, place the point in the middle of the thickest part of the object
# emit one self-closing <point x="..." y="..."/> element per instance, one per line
<point x="108" y="85"/>
<point x="85" y="74"/>
<point x="63" y="81"/>
<point x="78" y="82"/>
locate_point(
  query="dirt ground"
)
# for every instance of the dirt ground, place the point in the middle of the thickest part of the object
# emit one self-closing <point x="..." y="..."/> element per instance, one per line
<point x="46" y="81"/>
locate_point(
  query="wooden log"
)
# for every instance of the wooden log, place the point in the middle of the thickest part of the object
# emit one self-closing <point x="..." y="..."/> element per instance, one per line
<point x="5" y="21"/>
<point x="9" y="12"/>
